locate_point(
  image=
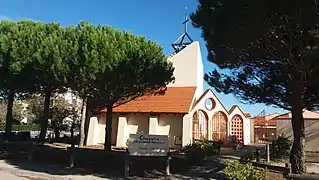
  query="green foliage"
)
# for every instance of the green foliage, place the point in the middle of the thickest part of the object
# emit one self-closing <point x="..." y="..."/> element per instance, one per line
<point x="121" y="67"/>
<point x="34" y="109"/>
<point x="267" y="52"/>
<point x="15" y="54"/>
<point x="237" y="171"/>
<point x="276" y="49"/>
<point x="196" y="151"/>
<point x="280" y="148"/>
<point x="18" y="112"/>
<point x="102" y="64"/>
<point x="248" y="156"/>
<point x="50" y="59"/>
<point x="60" y="110"/>
<point x="88" y="60"/>
<point x="128" y="66"/>
<point x="211" y="147"/>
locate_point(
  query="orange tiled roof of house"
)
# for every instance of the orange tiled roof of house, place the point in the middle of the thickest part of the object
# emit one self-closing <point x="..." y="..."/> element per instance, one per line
<point x="266" y="120"/>
<point x="260" y="122"/>
<point x="175" y="100"/>
<point x="247" y="115"/>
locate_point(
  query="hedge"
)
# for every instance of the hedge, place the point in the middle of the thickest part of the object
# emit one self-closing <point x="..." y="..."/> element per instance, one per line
<point x="24" y="127"/>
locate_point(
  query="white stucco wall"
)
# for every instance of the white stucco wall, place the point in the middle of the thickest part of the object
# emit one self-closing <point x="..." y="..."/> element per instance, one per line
<point x="138" y="123"/>
<point x="284" y="127"/>
<point x="246" y="125"/>
<point x="175" y="126"/>
<point x="200" y="72"/>
<point x="187" y="130"/>
<point x="185" y="63"/>
<point x="164" y="124"/>
<point x="189" y="69"/>
<point x="100" y="129"/>
<point x="219" y="107"/>
<point x="171" y="125"/>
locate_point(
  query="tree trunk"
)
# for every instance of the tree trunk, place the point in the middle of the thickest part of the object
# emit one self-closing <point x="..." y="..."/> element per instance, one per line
<point x="57" y="133"/>
<point x="88" y="114"/>
<point x="9" y="119"/>
<point x="297" y="153"/>
<point x="45" y="116"/>
<point x="108" y="128"/>
<point x="83" y="118"/>
<point x="72" y="133"/>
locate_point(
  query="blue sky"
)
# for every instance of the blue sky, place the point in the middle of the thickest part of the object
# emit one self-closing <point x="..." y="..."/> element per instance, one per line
<point x="158" y="20"/>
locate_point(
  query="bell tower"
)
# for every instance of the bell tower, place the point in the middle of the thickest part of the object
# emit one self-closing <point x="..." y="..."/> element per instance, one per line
<point x="181" y="42"/>
<point x="187" y="61"/>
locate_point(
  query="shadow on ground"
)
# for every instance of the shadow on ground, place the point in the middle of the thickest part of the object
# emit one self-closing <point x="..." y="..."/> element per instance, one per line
<point x="211" y="169"/>
<point x="112" y="167"/>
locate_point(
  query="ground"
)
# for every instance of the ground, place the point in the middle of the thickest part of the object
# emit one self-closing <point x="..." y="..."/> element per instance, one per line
<point x="37" y="172"/>
<point x="28" y="171"/>
<point x="46" y="172"/>
<point x="212" y="169"/>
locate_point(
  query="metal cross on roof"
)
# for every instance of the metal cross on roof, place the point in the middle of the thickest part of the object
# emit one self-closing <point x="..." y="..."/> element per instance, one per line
<point x="180" y="42"/>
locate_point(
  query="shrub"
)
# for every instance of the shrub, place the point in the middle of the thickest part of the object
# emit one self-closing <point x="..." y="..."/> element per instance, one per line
<point x="248" y="156"/>
<point x="196" y="151"/>
<point x="211" y="147"/>
<point x="237" y="171"/>
<point x="280" y="148"/>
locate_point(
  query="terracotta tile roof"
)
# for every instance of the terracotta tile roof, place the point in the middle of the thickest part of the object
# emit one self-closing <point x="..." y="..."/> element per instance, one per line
<point x="247" y="114"/>
<point x="175" y="100"/>
<point x="267" y="120"/>
<point x="260" y="122"/>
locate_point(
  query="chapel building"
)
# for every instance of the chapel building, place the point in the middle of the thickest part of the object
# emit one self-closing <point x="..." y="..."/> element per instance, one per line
<point x="185" y="112"/>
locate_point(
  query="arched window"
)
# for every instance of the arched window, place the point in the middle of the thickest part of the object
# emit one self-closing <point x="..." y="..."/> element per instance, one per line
<point x="219" y="125"/>
<point x="237" y="129"/>
<point x="200" y="125"/>
<point x="196" y="131"/>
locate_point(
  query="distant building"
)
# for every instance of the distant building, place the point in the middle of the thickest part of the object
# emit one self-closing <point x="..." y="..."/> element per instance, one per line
<point x="265" y="127"/>
<point x="284" y="127"/>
